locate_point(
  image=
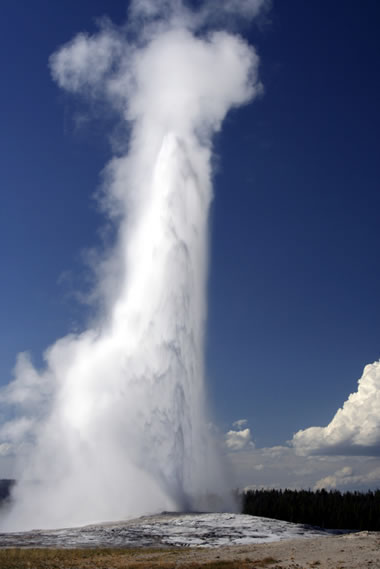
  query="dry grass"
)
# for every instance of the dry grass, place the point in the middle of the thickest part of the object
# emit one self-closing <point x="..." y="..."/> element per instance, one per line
<point x="116" y="559"/>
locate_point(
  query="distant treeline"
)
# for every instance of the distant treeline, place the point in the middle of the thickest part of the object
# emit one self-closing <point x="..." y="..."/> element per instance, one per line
<point x="329" y="510"/>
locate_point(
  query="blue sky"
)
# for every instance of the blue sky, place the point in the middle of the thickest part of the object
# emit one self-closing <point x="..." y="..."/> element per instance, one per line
<point x="294" y="276"/>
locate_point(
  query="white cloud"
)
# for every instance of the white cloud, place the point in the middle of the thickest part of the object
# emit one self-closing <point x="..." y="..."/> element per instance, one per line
<point x="333" y="480"/>
<point x="281" y="467"/>
<point x="355" y="428"/>
<point x="342" y="455"/>
<point x="239" y="440"/>
<point x="345" y="477"/>
<point x="240" y="423"/>
<point x="290" y="466"/>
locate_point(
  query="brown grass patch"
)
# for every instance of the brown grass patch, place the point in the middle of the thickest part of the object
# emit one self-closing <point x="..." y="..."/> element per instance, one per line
<point x="18" y="558"/>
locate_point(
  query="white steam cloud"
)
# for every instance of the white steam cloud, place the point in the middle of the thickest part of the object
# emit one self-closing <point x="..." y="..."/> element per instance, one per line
<point x="355" y="428"/>
<point x="114" y="424"/>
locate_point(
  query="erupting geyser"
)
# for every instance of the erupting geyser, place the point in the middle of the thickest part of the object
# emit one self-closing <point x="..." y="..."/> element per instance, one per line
<point x="115" y="424"/>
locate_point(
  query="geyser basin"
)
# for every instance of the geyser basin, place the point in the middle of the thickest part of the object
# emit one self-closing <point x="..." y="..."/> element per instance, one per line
<point x="200" y="530"/>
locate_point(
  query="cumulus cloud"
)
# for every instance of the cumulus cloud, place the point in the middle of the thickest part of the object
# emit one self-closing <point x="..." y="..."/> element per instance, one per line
<point x="333" y="480"/>
<point x="347" y="477"/>
<point x="281" y="467"/>
<point x="240" y="423"/>
<point x="355" y="428"/>
<point x="239" y="440"/>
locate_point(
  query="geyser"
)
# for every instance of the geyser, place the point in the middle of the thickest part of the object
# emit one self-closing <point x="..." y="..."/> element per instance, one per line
<point x="115" y="423"/>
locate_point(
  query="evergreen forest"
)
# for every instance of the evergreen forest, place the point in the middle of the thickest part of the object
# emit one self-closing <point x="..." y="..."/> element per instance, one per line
<point x="326" y="509"/>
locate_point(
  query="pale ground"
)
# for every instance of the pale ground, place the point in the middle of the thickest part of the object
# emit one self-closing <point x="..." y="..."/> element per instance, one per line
<point x="350" y="551"/>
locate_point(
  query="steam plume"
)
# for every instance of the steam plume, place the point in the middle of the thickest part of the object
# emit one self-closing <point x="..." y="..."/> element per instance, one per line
<point x="115" y="423"/>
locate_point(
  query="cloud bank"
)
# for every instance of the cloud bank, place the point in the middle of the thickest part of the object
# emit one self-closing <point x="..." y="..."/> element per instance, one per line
<point x="343" y="455"/>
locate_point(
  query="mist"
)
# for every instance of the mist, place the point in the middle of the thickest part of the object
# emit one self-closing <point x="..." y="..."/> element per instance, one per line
<point x="116" y="424"/>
